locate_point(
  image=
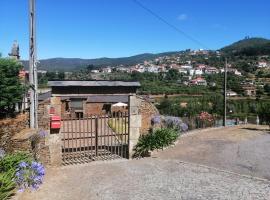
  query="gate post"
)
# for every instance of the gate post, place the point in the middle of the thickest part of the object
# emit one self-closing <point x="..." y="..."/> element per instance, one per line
<point x="135" y="123"/>
<point x="55" y="137"/>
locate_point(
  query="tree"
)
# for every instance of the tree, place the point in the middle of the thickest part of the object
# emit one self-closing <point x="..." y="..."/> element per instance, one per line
<point x="61" y="76"/>
<point x="267" y="88"/>
<point x="11" y="89"/>
<point x="264" y="112"/>
<point x="172" y="74"/>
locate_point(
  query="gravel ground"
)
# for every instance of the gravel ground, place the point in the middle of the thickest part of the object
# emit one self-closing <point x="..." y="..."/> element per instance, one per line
<point x="147" y="179"/>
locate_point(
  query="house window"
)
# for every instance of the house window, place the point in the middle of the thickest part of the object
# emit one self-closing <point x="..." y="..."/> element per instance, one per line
<point x="76" y="104"/>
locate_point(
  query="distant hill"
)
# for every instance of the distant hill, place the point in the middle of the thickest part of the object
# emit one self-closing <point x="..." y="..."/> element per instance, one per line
<point x="249" y="47"/>
<point x="70" y="64"/>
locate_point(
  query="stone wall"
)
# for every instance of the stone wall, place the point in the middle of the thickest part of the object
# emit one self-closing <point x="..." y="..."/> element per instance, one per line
<point x="34" y="142"/>
<point x="147" y="110"/>
<point x="10" y="127"/>
<point x="43" y="115"/>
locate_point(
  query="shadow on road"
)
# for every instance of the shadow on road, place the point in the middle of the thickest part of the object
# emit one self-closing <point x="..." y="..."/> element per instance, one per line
<point x="257" y="129"/>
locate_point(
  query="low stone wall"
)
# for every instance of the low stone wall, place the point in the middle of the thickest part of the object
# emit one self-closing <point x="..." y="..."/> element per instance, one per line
<point x="10" y="127"/>
<point x="34" y="142"/>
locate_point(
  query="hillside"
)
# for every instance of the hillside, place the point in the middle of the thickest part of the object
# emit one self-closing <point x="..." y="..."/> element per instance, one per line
<point x="69" y="64"/>
<point x="249" y="47"/>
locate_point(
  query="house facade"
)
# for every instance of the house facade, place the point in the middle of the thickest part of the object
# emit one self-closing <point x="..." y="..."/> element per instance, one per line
<point x="80" y="98"/>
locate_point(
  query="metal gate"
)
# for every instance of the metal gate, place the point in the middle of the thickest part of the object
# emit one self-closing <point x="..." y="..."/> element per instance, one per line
<point x="92" y="138"/>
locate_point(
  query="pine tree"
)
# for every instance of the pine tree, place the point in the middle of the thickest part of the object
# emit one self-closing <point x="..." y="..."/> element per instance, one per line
<point x="11" y="89"/>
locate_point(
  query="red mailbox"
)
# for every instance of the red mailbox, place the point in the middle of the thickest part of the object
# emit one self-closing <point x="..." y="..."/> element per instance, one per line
<point x="52" y="110"/>
<point x="55" y="122"/>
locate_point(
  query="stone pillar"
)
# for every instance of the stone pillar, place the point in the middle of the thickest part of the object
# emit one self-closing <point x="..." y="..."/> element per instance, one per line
<point x="54" y="140"/>
<point x="135" y="122"/>
<point x="55" y="149"/>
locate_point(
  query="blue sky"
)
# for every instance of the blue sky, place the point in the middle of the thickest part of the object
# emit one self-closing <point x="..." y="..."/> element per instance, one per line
<point x="117" y="28"/>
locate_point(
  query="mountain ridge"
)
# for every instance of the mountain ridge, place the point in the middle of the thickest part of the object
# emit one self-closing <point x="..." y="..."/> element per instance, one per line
<point x="248" y="46"/>
<point x="70" y="64"/>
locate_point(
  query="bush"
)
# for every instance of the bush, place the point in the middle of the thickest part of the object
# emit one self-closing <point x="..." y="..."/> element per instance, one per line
<point x="158" y="139"/>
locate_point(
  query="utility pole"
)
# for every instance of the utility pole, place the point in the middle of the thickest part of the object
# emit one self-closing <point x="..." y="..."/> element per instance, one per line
<point x="225" y="94"/>
<point x="33" y="65"/>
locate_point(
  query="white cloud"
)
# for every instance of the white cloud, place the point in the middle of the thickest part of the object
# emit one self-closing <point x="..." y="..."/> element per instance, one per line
<point x="182" y="17"/>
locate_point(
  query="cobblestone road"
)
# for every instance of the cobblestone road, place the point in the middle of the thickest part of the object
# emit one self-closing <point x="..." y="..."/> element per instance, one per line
<point x="147" y="179"/>
<point x="167" y="177"/>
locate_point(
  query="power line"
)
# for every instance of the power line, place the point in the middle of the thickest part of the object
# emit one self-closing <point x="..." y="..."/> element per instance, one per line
<point x="169" y="24"/>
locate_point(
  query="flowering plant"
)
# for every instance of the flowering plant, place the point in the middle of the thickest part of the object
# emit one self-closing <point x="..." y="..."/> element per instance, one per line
<point x="170" y="122"/>
<point x="205" y="116"/>
<point x="156" y="120"/>
<point x="29" y="175"/>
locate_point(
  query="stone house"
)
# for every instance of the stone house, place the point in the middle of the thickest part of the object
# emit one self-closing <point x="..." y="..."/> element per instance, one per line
<point x="80" y="98"/>
<point x="249" y="90"/>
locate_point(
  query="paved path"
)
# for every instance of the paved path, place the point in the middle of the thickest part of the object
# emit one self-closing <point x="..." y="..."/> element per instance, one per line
<point x="150" y="179"/>
<point x="166" y="176"/>
<point x="244" y="150"/>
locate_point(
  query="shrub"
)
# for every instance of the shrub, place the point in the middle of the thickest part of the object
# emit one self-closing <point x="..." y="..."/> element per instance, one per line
<point x="158" y="139"/>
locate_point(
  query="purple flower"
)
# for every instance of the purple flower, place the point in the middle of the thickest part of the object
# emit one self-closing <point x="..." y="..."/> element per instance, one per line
<point x="29" y="175"/>
<point x="42" y="133"/>
<point x="172" y="122"/>
<point x="23" y="164"/>
<point x="184" y="127"/>
<point x="156" y="120"/>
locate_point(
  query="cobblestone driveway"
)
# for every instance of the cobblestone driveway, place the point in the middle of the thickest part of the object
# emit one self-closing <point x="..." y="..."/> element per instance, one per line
<point x="150" y="179"/>
<point x="167" y="177"/>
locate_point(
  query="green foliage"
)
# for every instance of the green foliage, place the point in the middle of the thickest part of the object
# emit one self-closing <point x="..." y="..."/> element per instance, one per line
<point x="195" y="105"/>
<point x="249" y="47"/>
<point x="11" y="89"/>
<point x="7" y="185"/>
<point x="264" y="113"/>
<point x="158" y="139"/>
<point x="8" y="166"/>
<point x="267" y="88"/>
<point x="10" y="161"/>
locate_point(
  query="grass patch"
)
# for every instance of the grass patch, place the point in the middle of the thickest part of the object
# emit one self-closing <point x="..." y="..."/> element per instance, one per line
<point x="119" y="126"/>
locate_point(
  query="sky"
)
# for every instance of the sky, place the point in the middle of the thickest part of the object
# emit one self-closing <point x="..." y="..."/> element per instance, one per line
<point x="120" y="28"/>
